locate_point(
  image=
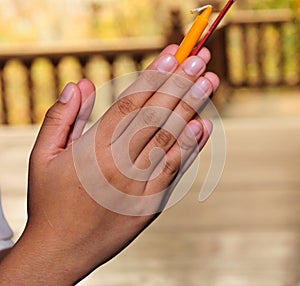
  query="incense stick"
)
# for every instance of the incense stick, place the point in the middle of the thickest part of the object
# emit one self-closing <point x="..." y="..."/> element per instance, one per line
<point x="212" y="27"/>
<point x="198" y="27"/>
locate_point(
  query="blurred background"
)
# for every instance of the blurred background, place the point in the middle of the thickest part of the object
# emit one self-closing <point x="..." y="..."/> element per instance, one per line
<point x="247" y="233"/>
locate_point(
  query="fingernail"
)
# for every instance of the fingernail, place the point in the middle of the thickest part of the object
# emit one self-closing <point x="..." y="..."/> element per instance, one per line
<point x="67" y="93"/>
<point x="193" y="66"/>
<point x="167" y="63"/>
<point x="201" y="89"/>
<point x="194" y="129"/>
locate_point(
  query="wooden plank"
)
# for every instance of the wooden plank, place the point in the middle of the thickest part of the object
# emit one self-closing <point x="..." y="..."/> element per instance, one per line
<point x="29" y="51"/>
<point x="204" y="258"/>
<point x="262" y="16"/>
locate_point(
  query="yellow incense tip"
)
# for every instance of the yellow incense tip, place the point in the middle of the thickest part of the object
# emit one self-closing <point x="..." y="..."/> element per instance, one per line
<point x="207" y="12"/>
<point x="202" y="9"/>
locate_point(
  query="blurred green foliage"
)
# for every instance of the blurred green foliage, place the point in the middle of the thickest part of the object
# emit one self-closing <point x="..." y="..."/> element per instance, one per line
<point x="275" y="4"/>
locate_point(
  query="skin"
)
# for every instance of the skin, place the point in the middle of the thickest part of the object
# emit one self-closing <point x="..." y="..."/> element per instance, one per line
<point x="3" y="253"/>
<point x="68" y="234"/>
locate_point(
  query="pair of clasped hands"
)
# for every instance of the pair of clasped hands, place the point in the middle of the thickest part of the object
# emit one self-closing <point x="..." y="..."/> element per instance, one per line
<point x="69" y="233"/>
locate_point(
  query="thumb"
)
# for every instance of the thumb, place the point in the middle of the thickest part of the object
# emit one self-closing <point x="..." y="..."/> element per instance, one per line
<point x="87" y="90"/>
<point x="57" y="125"/>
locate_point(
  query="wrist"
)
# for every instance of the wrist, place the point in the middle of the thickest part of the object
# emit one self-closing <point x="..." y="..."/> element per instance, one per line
<point x="41" y="260"/>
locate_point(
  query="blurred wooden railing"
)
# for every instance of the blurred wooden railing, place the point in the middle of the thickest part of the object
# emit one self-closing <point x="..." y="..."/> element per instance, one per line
<point x="81" y="54"/>
<point x="263" y="48"/>
<point x="251" y="49"/>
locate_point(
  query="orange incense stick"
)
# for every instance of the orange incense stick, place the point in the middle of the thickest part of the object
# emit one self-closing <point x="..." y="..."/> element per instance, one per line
<point x="193" y="34"/>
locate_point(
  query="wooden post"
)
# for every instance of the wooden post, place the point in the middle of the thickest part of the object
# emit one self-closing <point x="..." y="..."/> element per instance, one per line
<point x="30" y="88"/>
<point x="176" y="34"/>
<point x="4" y="117"/>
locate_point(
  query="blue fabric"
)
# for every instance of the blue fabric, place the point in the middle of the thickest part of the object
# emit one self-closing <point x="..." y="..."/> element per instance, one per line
<point x="5" y="231"/>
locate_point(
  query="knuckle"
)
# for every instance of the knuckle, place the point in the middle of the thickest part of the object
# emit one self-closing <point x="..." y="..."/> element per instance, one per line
<point x="151" y="117"/>
<point x="54" y="116"/>
<point x="187" y="140"/>
<point x="125" y="106"/>
<point x="163" y="138"/>
<point x="170" y="168"/>
<point x="152" y="79"/>
<point x="186" y="143"/>
<point x="181" y="82"/>
<point x="187" y="107"/>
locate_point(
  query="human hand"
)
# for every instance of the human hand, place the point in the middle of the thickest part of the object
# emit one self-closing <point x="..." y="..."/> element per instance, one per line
<point x="70" y="228"/>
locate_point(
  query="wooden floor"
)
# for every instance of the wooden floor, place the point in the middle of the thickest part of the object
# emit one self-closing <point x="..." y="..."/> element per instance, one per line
<point x="247" y="233"/>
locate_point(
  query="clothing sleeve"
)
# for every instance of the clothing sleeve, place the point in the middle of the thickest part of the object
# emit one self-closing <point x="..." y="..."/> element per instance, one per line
<point x="6" y="233"/>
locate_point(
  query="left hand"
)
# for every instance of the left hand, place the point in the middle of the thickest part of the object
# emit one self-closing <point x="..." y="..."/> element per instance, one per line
<point x="67" y="230"/>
